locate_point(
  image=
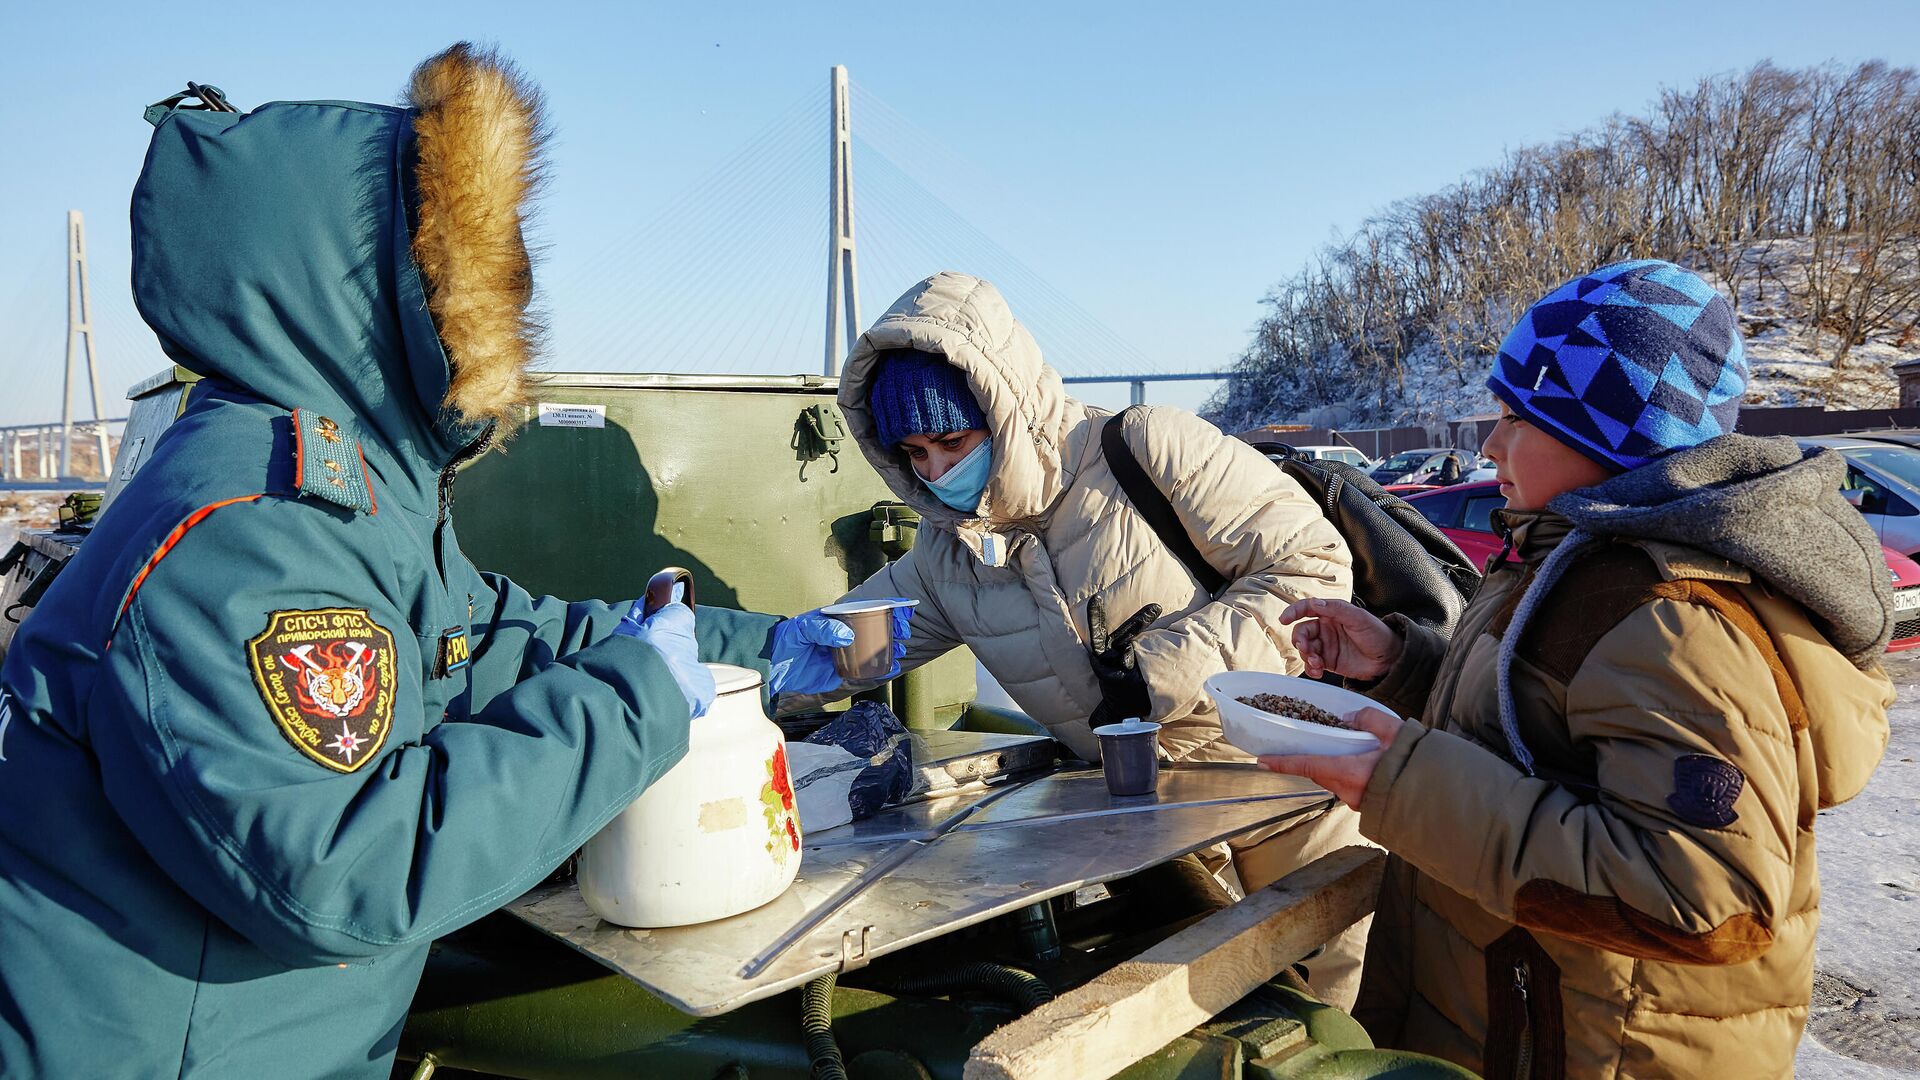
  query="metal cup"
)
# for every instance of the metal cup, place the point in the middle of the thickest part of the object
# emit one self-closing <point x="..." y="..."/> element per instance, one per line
<point x="1130" y="755"/>
<point x="870" y="657"/>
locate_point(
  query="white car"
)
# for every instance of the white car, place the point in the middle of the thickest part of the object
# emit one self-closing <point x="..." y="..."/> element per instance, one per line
<point x="1423" y="466"/>
<point x="1346" y="455"/>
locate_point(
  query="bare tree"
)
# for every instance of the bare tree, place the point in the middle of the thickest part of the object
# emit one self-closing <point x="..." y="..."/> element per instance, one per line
<point x="1805" y="183"/>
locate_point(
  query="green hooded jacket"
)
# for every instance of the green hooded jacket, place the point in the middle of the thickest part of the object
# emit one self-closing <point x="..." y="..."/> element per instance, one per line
<point x="270" y="734"/>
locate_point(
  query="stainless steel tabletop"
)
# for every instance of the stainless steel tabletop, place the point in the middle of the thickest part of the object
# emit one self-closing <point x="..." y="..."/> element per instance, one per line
<point x="1055" y="834"/>
<point x="945" y="761"/>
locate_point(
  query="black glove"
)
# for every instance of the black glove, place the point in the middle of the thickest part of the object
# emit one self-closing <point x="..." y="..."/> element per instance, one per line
<point x="1123" y="689"/>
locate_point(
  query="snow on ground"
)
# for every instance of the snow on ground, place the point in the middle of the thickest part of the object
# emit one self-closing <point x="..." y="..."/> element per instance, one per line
<point x="1865" y="1021"/>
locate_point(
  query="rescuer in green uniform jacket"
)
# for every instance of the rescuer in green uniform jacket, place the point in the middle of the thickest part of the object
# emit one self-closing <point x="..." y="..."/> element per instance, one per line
<point x="271" y="732"/>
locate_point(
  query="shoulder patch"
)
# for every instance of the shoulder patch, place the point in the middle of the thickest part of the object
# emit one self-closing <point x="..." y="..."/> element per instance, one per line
<point x="328" y="679"/>
<point x="328" y="463"/>
<point x="1704" y="790"/>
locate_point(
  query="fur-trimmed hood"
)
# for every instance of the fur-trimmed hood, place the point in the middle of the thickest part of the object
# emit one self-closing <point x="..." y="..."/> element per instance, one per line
<point x="480" y="129"/>
<point x="361" y="261"/>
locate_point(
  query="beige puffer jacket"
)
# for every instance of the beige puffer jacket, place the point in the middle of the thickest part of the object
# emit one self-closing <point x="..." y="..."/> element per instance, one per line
<point x="1644" y="904"/>
<point x="1056" y="530"/>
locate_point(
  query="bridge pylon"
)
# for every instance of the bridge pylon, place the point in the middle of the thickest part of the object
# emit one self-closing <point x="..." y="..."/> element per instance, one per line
<point x="79" y="326"/>
<point x="843" y="275"/>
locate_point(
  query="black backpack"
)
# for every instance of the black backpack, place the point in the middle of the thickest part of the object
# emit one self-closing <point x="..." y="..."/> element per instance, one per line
<point x="1401" y="561"/>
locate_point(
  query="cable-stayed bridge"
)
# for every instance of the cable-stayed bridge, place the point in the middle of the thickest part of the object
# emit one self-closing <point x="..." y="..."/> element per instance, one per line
<point x="725" y="277"/>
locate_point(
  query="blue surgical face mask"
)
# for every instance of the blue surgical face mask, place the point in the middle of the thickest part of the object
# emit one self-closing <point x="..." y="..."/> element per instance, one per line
<point x="961" y="486"/>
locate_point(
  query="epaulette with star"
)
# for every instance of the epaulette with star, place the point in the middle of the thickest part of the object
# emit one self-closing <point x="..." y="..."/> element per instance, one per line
<point x="328" y="462"/>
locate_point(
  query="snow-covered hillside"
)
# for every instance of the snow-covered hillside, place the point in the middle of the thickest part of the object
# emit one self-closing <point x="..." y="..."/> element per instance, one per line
<point x="1792" y="362"/>
<point x="1794" y="190"/>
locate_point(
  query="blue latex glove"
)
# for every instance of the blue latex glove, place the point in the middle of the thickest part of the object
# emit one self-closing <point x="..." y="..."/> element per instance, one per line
<point x="670" y="632"/>
<point x="803" y="650"/>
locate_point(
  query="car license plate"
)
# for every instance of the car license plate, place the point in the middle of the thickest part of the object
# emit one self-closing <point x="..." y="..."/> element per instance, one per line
<point x="1907" y="599"/>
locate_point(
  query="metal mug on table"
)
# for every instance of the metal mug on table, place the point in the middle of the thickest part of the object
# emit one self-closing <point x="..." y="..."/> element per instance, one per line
<point x="1130" y="756"/>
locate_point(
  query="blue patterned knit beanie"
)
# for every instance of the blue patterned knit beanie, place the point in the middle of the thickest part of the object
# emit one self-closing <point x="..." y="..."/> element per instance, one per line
<point x="1627" y="363"/>
<point x="919" y="393"/>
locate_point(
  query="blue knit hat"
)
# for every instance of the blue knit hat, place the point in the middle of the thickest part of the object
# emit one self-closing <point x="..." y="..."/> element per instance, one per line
<point x="1627" y="363"/>
<point x="919" y="393"/>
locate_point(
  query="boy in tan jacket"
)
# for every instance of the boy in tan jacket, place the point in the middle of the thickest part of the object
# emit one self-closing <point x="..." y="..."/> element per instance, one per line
<point x="1602" y="821"/>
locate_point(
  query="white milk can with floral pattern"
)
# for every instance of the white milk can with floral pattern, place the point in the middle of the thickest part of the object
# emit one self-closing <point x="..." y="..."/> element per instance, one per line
<point x="716" y="836"/>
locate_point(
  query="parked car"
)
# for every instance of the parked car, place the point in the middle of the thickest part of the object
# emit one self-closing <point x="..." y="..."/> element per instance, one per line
<point x="1423" y="466"/>
<point x="1465" y="513"/>
<point x="1883" y="482"/>
<point x="1346" y="455"/>
<point x="1906" y="601"/>
<point x="1897" y="436"/>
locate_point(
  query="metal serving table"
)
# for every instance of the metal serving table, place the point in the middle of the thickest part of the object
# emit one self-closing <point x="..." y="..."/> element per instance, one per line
<point x="974" y="855"/>
<point x="946" y="761"/>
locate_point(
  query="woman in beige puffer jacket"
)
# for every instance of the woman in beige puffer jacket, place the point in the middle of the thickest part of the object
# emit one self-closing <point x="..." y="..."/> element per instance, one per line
<point x="1053" y="530"/>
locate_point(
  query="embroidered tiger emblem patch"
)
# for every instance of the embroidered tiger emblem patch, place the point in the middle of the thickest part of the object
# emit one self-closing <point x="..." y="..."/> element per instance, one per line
<point x="328" y="679"/>
<point x="333" y="678"/>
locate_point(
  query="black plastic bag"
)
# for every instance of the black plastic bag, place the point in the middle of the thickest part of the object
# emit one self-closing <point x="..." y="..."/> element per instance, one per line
<point x="871" y="732"/>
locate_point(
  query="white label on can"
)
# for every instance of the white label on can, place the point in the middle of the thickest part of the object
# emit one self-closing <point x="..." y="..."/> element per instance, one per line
<point x="554" y="414"/>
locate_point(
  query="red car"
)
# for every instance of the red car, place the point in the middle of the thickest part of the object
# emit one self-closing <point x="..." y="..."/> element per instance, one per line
<point x="1906" y="600"/>
<point x="1465" y="513"/>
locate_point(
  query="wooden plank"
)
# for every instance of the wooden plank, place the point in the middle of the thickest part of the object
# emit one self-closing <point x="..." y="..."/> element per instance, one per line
<point x="1138" y="1007"/>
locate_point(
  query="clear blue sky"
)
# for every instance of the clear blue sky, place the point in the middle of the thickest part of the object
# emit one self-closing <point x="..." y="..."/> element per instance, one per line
<point x="1160" y="164"/>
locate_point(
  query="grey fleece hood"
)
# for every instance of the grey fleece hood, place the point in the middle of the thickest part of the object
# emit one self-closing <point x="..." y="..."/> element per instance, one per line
<point x="1765" y="505"/>
<point x="1760" y="503"/>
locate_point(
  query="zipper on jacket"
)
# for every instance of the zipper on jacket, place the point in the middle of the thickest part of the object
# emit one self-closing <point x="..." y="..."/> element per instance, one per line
<point x="474" y="449"/>
<point x="1523" y="1052"/>
<point x="445" y="496"/>
<point x="1506" y="547"/>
